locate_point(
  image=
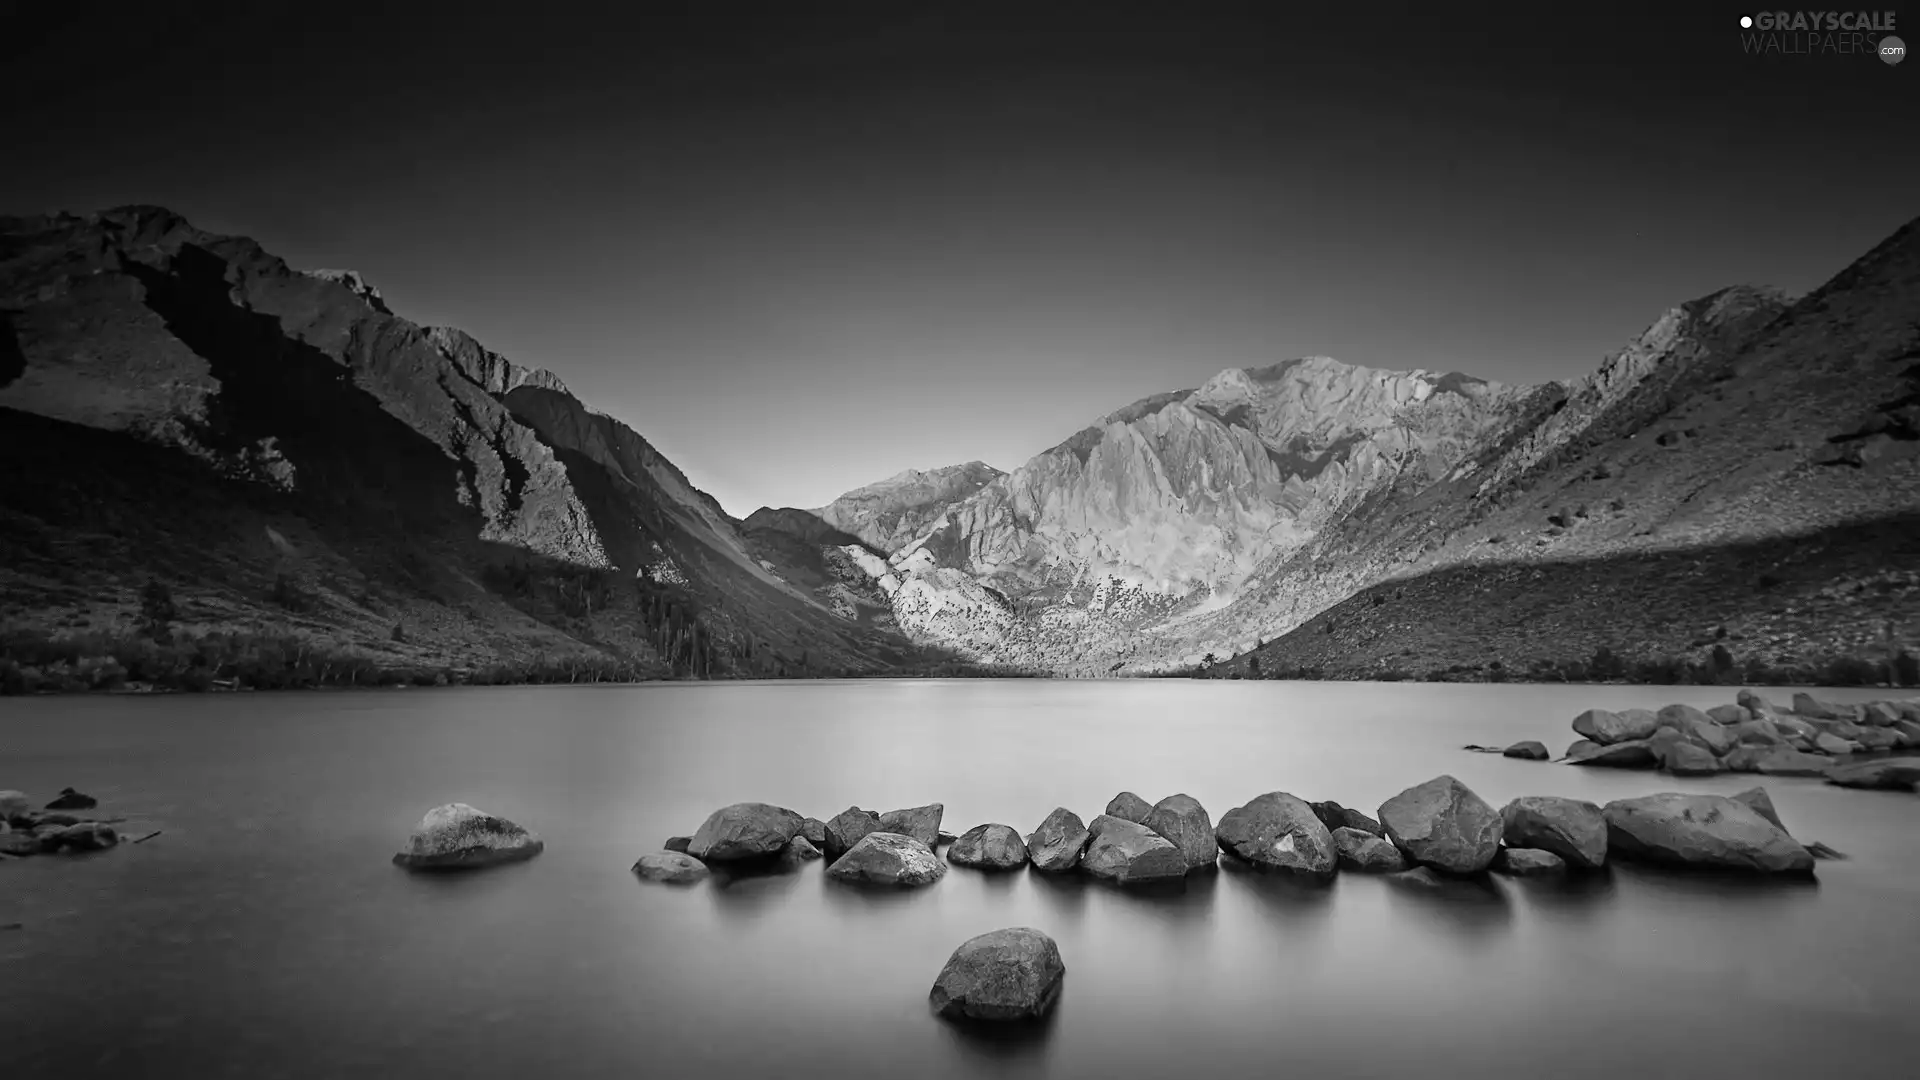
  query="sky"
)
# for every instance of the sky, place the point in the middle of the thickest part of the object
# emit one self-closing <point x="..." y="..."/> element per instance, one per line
<point x="801" y="252"/>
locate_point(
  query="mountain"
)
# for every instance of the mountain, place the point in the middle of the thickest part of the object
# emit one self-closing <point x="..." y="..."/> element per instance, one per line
<point x="1202" y="523"/>
<point x="223" y="465"/>
<point x="889" y="514"/>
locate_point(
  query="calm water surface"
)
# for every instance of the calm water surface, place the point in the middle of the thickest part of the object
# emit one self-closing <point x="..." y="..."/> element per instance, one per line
<point x="265" y="934"/>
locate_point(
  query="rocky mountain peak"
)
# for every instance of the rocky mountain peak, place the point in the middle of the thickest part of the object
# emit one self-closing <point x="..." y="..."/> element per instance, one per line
<point x="356" y="284"/>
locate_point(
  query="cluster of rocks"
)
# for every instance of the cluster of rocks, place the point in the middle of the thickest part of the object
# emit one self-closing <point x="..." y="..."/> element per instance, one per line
<point x="1845" y="744"/>
<point x="1437" y="828"/>
<point x="57" y="827"/>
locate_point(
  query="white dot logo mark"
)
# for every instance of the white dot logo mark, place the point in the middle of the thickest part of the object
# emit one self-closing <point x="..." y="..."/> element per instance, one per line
<point x="1746" y="22"/>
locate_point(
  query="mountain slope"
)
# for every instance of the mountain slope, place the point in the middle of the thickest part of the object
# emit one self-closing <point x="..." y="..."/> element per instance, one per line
<point x="396" y="496"/>
<point x="1208" y="521"/>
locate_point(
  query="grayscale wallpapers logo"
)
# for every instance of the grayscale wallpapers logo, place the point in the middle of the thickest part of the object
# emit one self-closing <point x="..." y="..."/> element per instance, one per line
<point x="1822" y="33"/>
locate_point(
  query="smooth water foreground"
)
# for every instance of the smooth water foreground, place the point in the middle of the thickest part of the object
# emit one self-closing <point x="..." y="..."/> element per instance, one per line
<point x="266" y="934"/>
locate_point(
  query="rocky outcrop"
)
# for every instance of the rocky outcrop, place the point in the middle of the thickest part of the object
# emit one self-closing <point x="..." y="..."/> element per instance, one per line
<point x="1185" y="824"/>
<point x="1573" y="829"/>
<point x="989" y="847"/>
<point x="1128" y="853"/>
<point x="458" y="837"/>
<point x="743" y="832"/>
<point x="1444" y="825"/>
<point x="1012" y="974"/>
<point x="888" y="859"/>
<point x="1056" y="846"/>
<point x="671" y="867"/>
<point x="1279" y="832"/>
<point x="1708" y="832"/>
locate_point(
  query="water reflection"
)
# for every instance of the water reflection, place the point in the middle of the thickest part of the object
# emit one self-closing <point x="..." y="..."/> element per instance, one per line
<point x="1475" y="908"/>
<point x="749" y="889"/>
<point x="999" y="1045"/>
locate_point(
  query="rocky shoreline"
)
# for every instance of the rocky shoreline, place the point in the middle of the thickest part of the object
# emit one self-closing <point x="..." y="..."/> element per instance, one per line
<point x="60" y="826"/>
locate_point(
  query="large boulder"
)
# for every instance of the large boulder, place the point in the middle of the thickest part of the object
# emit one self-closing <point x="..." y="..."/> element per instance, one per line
<point x="1809" y="706"/>
<point x="1756" y="704"/>
<point x="1786" y="761"/>
<point x="1528" y="862"/>
<point x="1634" y="754"/>
<point x="1877" y="738"/>
<point x="1012" y="974"/>
<point x="85" y="836"/>
<point x="1762" y="804"/>
<point x="1529" y="750"/>
<point x="1280" y="832"/>
<point x="1366" y="852"/>
<point x="1909" y="732"/>
<point x="1758" y="733"/>
<point x="1729" y="714"/>
<point x="14" y="806"/>
<point x="1444" y="825"/>
<point x="815" y="831"/>
<point x="1056" y="846"/>
<point x="1747" y="758"/>
<point x="672" y="867"/>
<point x="798" y="852"/>
<point x="1793" y="727"/>
<point x="989" y="847"/>
<point x="1886" y="774"/>
<point x="1129" y="807"/>
<point x="1185" y="824"/>
<point x="456" y="836"/>
<point x="1828" y="743"/>
<point x="884" y="858"/>
<point x="1688" y="759"/>
<point x="677" y="843"/>
<point x="846" y="828"/>
<point x="1334" y="816"/>
<point x="743" y="831"/>
<point x="920" y="822"/>
<point x="1707" y="832"/>
<point x="1570" y="828"/>
<point x="1128" y="853"/>
<point x="1607" y="728"/>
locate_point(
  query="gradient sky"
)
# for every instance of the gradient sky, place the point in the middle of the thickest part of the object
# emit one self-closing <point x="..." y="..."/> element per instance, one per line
<point x="803" y="253"/>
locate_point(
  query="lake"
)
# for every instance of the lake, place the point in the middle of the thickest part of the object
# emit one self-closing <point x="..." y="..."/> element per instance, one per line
<point x="264" y="933"/>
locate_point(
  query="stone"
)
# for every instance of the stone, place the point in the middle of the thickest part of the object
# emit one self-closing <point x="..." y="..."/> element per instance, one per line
<point x="1443" y="824"/>
<point x="1607" y="728"/>
<point x="744" y="831"/>
<point x="19" y="844"/>
<point x="671" y="867"/>
<point x="1690" y="760"/>
<point x="1129" y="807"/>
<point x="989" y="847"/>
<point x="1128" y="853"/>
<point x="677" y="843"/>
<point x="1758" y="733"/>
<point x="884" y="858"/>
<point x="815" y="831"/>
<point x="14" y="806"/>
<point x="1367" y="853"/>
<point x="920" y="822"/>
<point x="846" y="828"/>
<point x="1828" y="743"/>
<point x="1184" y="823"/>
<point x="1056" y="846"/>
<point x="1842" y="729"/>
<point x="1745" y="758"/>
<point x="87" y="836"/>
<point x="1279" y="832"/>
<point x="1528" y="862"/>
<point x="1821" y="851"/>
<point x="1879" y="714"/>
<point x="946" y="837"/>
<point x="1909" y="733"/>
<point x="1698" y="727"/>
<point x="1807" y="705"/>
<point x="1334" y="816"/>
<point x="1762" y="804"/>
<point x="1791" y="727"/>
<point x="1636" y="754"/>
<point x="1529" y="750"/>
<point x="1729" y="714"/>
<point x="1786" y="761"/>
<point x="1570" y="828"/>
<point x="1709" y="832"/>
<point x="1012" y="974"/>
<point x="1877" y="738"/>
<point x="70" y="799"/>
<point x="1756" y="704"/>
<point x="457" y="836"/>
<point x="1885" y="774"/>
<point x="799" y="850"/>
